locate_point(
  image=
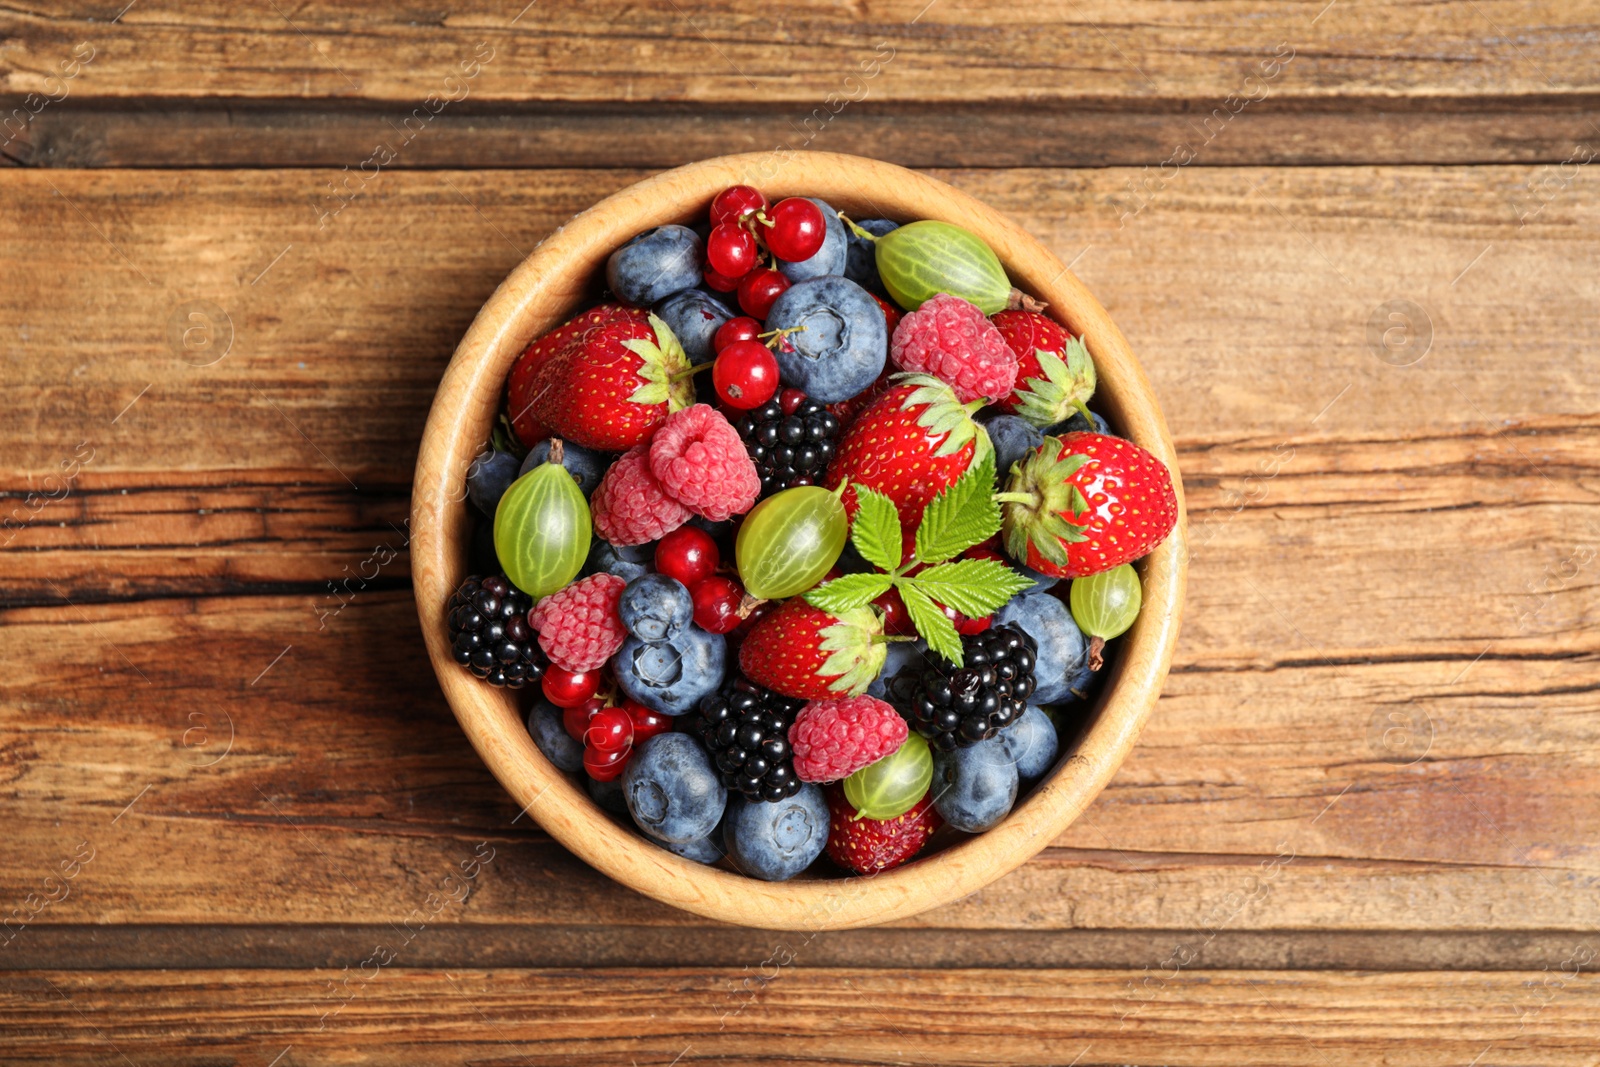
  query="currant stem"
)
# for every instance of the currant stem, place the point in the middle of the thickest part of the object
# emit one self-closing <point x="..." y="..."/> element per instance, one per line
<point x="857" y="230"/>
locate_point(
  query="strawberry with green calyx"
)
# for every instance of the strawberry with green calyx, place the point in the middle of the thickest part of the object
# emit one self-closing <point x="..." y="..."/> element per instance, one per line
<point x="910" y="444"/>
<point x="614" y="384"/>
<point x="963" y="515"/>
<point x="1084" y="503"/>
<point x="802" y="651"/>
<point x="1055" y="375"/>
<point x="522" y="386"/>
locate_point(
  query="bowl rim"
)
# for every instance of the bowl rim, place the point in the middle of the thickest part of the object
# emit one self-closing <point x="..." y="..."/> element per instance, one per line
<point x="542" y="291"/>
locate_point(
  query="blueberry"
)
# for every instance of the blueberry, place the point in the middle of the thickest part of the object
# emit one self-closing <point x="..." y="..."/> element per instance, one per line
<point x="585" y="465"/>
<point x="974" y="786"/>
<point x="707" y="849"/>
<point x="654" y="607"/>
<point x="776" y="839"/>
<point x="607" y="794"/>
<point x="694" y="317"/>
<point x="671" y="676"/>
<point x="656" y="264"/>
<point x="844" y="344"/>
<point x="899" y="656"/>
<point x="861" y="255"/>
<point x="1063" y="650"/>
<point x="490" y="475"/>
<point x="1013" y="437"/>
<point x="626" y="563"/>
<point x="550" y="734"/>
<point x="719" y="530"/>
<point x="1077" y="424"/>
<point x="852" y="562"/>
<point x="829" y="259"/>
<point x="674" y="793"/>
<point x="1031" y="743"/>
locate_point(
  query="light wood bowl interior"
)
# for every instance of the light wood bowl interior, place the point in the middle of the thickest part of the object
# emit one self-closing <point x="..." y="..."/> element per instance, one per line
<point x="545" y="290"/>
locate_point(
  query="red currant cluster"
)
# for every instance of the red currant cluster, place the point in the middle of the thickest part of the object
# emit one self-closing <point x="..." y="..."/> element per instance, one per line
<point x="609" y="733"/>
<point x="793" y="229"/>
<point x="691" y="556"/>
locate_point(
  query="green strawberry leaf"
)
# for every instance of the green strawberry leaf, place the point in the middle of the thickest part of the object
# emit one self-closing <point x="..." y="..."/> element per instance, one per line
<point x="974" y="587"/>
<point x="961" y="516"/>
<point x="848" y="592"/>
<point x="876" y="530"/>
<point x="938" y="631"/>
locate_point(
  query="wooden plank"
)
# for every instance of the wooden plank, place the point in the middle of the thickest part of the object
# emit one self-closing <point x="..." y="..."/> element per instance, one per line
<point x="824" y="56"/>
<point x="195" y="944"/>
<point x="1276" y="131"/>
<point x="340" y="333"/>
<point x="392" y="1015"/>
<point x="348" y="790"/>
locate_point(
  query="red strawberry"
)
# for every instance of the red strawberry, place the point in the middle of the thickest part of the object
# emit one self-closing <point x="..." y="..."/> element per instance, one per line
<point x="1083" y="503"/>
<point x="912" y="443"/>
<point x="613" y="384"/>
<point x="847" y="410"/>
<point x="867" y="846"/>
<point x="524" y="375"/>
<point x="804" y="652"/>
<point x="1054" y="372"/>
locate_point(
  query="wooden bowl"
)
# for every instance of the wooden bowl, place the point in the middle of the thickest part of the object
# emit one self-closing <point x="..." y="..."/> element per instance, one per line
<point x="544" y="291"/>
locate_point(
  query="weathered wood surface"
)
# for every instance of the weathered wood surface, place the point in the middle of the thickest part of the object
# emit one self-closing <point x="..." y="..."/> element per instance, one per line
<point x="383" y="1013"/>
<point x="1442" y="520"/>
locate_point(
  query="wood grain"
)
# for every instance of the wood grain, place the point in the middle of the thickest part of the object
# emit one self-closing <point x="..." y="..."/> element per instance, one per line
<point x="1412" y="554"/>
<point x="393" y="1015"/>
<point x="955" y="51"/>
<point x="1277" y="131"/>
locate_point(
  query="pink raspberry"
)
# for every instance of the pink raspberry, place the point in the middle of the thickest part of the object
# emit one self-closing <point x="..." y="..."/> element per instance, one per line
<point x="952" y="340"/>
<point x="579" y="628"/>
<point x="630" y="507"/>
<point x="833" y="739"/>
<point x="699" y="460"/>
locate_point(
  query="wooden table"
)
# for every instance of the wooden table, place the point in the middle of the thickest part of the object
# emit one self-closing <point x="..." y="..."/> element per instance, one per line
<point x="1355" y="244"/>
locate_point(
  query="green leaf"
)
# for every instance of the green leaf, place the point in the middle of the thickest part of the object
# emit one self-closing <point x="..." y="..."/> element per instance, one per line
<point x="974" y="587"/>
<point x="876" y="530"/>
<point x="938" y="631"/>
<point x="848" y="592"/>
<point x="960" y="516"/>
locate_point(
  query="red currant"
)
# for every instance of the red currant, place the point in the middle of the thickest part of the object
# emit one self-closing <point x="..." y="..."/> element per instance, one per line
<point x="791" y="399"/>
<point x="759" y="289"/>
<point x="605" y="766"/>
<point x="798" y="229"/>
<point x="611" y="730"/>
<point x="720" y="282"/>
<point x="647" y="723"/>
<point x="576" y="720"/>
<point x="896" y="620"/>
<point x="745" y="374"/>
<point x="963" y="624"/>
<point x="739" y="328"/>
<point x="716" y="604"/>
<point x="687" y="554"/>
<point x="568" y="689"/>
<point x="735" y="202"/>
<point x="731" y="250"/>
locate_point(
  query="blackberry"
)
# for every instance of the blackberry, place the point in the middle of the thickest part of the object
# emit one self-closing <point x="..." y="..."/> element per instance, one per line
<point x="490" y="635"/>
<point x="958" y="706"/>
<point x="746" y="730"/>
<point x="789" y="448"/>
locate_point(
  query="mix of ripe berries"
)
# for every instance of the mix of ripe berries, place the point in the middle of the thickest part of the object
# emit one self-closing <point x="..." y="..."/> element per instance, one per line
<point x="660" y="568"/>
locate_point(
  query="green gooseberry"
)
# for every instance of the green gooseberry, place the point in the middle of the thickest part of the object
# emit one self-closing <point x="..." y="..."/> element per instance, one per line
<point x="789" y="541"/>
<point x="894" y="784"/>
<point x="542" y="529"/>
